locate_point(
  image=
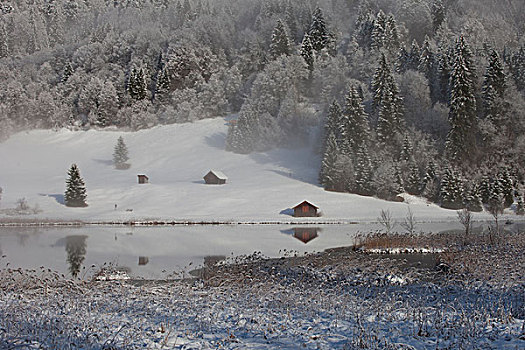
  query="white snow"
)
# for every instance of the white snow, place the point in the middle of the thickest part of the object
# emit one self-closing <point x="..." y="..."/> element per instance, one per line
<point x="261" y="187"/>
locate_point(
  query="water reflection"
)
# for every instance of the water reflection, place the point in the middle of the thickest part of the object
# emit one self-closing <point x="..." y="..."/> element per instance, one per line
<point x="76" y="253"/>
<point x="304" y="234"/>
<point x="159" y="252"/>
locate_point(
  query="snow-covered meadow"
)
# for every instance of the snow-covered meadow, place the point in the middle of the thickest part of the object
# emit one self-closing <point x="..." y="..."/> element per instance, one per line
<point x="261" y="187"/>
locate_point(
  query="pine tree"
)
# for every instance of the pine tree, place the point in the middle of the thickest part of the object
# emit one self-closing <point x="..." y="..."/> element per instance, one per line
<point x="354" y="122"/>
<point x="431" y="182"/>
<point x="363" y="173"/>
<point x="484" y="188"/>
<point x="75" y="195"/>
<point x="67" y="72"/>
<point x="444" y="73"/>
<point x="120" y="154"/>
<point x="379" y="34"/>
<point x="494" y="85"/>
<point x="307" y="52"/>
<point x="328" y="173"/>
<point x="407" y="150"/>
<point x="318" y="32"/>
<point x="381" y="82"/>
<point x="403" y="58"/>
<point x="4" y="41"/>
<point x="162" y="88"/>
<point x="520" y="206"/>
<point x="460" y="145"/>
<point x="280" y="44"/>
<point x="398" y="181"/>
<point x="506" y="187"/>
<point x="391" y="35"/>
<point x="427" y="66"/>
<point x="473" y="199"/>
<point x="137" y="86"/>
<point x="451" y="190"/>
<point x="414" y="185"/>
<point x="332" y="124"/>
<point x="364" y="29"/>
<point x="390" y="122"/>
<point x="517" y="67"/>
<point x="414" y="56"/>
<point x="437" y="13"/>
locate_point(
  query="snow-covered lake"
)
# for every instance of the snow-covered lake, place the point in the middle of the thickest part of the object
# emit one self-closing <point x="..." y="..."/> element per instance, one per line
<point x="156" y="252"/>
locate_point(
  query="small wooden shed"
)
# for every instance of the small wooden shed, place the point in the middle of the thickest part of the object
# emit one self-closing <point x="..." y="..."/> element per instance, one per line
<point x="305" y="208"/>
<point x="143" y="179"/>
<point x="214" y="177"/>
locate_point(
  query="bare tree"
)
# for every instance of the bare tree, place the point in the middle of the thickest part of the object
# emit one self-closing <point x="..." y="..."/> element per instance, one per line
<point x="386" y="220"/>
<point x="465" y="218"/>
<point x="495" y="207"/>
<point x="409" y="224"/>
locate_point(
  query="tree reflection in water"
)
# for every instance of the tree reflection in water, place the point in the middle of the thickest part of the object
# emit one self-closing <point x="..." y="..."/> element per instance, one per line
<point x="76" y="252"/>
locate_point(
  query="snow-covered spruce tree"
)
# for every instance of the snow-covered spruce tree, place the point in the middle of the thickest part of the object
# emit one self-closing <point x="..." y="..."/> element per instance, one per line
<point x="318" y="31"/>
<point x="332" y="124"/>
<point x="328" y="172"/>
<point x="391" y="35"/>
<point x="494" y="85"/>
<point x="280" y="44"/>
<point x="307" y="52"/>
<point x="485" y="188"/>
<point x="364" y="27"/>
<point x="444" y="72"/>
<point x="402" y="62"/>
<point x="438" y="13"/>
<point x="414" y="56"/>
<point x="364" y="171"/>
<point x="407" y="150"/>
<point x="75" y="195"/>
<point x="431" y="183"/>
<point x="516" y="65"/>
<point x="506" y="187"/>
<point x="137" y="85"/>
<point x="354" y="122"/>
<point x="379" y="32"/>
<point x="390" y="123"/>
<point x="120" y="154"/>
<point x="4" y="41"/>
<point x="162" y="87"/>
<point x="451" y="190"/>
<point x="460" y="146"/>
<point x="427" y="66"/>
<point x="520" y="206"/>
<point x="413" y="184"/>
<point x="242" y="136"/>
<point x="473" y="199"/>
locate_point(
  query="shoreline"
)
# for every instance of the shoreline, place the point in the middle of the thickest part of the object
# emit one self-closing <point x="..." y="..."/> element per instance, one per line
<point x="149" y="223"/>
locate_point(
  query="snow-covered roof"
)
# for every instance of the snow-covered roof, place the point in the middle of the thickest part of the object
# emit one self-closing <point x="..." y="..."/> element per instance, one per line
<point x="219" y="174"/>
<point x="306" y="202"/>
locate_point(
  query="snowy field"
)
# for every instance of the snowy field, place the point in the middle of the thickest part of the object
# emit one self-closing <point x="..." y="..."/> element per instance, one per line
<point x="261" y="187"/>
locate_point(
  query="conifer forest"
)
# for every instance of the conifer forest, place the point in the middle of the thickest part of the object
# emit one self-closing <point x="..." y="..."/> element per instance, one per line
<point x="418" y="96"/>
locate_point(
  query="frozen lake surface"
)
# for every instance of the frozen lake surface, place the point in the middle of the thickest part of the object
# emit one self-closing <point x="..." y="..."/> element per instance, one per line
<point x="157" y="252"/>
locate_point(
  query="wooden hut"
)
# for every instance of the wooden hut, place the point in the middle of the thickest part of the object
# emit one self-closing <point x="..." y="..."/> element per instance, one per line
<point x="305" y="208"/>
<point x="143" y="179"/>
<point x="143" y="260"/>
<point x="214" y="177"/>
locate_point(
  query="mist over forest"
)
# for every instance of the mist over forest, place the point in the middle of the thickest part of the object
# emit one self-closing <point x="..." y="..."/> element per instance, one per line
<point x="418" y="96"/>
